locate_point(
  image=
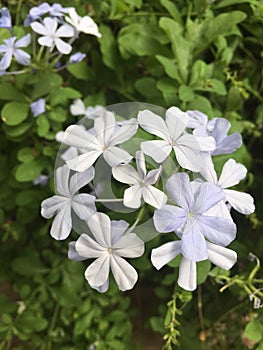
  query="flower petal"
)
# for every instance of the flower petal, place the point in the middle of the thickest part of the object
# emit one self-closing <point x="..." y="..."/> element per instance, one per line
<point x="65" y="31"/>
<point x="159" y="150"/>
<point x="73" y="254"/>
<point x="218" y="230"/>
<point x="39" y="28"/>
<point x="178" y="187"/>
<point x="100" y="226"/>
<point x="154" y="124"/>
<point x="206" y="195"/>
<point x="124" y="133"/>
<point x="24" y="41"/>
<point x="187" y="275"/>
<point x="115" y="155"/>
<point x="76" y="136"/>
<point x="62" y="46"/>
<point x="223" y="257"/>
<point x="126" y="174"/>
<point x="164" y="254"/>
<point x="232" y="174"/>
<point x="140" y="162"/>
<point x="50" y="206"/>
<point x="88" y="248"/>
<point x="132" y="196"/>
<point x="240" y="201"/>
<point x="129" y="246"/>
<point x="194" y="244"/>
<point x="61" y="180"/>
<point x="104" y="127"/>
<point x="154" y="196"/>
<point x="118" y="228"/>
<point x="6" y="61"/>
<point x="62" y="223"/>
<point x="83" y="205"/>
<point x="169" y="218"/>
<point x="84" y="161"/>
<point x="124" y="274"/>
<point x="176" y="121"/>
<point x="98" y="272"/>
<point x="79" y="180"/>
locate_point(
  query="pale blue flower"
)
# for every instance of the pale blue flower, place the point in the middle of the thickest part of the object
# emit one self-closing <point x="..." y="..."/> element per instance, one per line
<point x="218" y="129"/>
<point x="41" y="180"/>
<point x="189" y="219"/>
<point x="5" y="20"/>
<point x="38" y="107"/>
<point x="220" y="256"/>
<point x="111" y="241"/>
<point x="77" y="57"/>
<point x="56" y="10"/>
<point x="11" y="48"/>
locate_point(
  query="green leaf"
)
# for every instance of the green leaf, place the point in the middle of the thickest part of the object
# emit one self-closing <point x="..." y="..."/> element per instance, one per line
<point x="180" y="46"/>
<point x="203" y="268"/>
<point x="42" y="125"/>
<point x="146" y="86"/>
<point x="225" y="3"/>
<point x="212" y="85"/>
<point x="17" y="131"/>
<point x="29" y="171"/>
<point x="134" y="3"/>
<point x="26" y="197"/>
<point x="14" y="113"/>
<point x="254" y="330"/>
<point x="58" y="114"/>
<point x="173" y="10"/>
<point x="80" y="70"/>
<point x="109" y="49"/>
<point x="63" y="94"/>
<point x="202" y="104"/>
<point x="45" y="84"/>
<point x="186" y="93"/>
<point x="31" y="323"/>
<point x="25" y="155"/>
<point x="28" y="264"/>
<point x="10" y="92"/>
<point x="198" y="72"/>
<point x="170" y="67"/>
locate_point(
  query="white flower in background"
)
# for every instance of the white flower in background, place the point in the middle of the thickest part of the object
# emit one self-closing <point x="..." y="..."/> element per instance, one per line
<point x="111" y="242"/>
<point x="232" y="173"/>
<point x="220" y="256"/>
<point x="103" y="140"/>
<point x="141" y="184"/>
<point x="51" y="34"/>
<point x="82" y="24"/>
<point x="78" y="108"/>
<point x="61" y="205"/>
<point x="11" y="47"/>
<point x="188" y="148"/>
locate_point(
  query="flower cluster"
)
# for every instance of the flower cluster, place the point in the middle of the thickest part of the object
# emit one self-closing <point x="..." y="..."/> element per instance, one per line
<point x="170" y="174"/>
<point x="53" y="27"/>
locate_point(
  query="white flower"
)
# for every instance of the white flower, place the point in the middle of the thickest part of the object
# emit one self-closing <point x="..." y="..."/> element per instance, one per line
<point x="51" y="35"/>
<point x="188" y="148"/>
<point x="61" y="205"/>
<point x="82" y="24"/>
<point x="110" y="243"/>
<point x="78" y="108"/>
<point x="220" y="256"/>
<point x="102" y="141"/>
<point x="232" y="173"/>
<point x="141" y="184"/>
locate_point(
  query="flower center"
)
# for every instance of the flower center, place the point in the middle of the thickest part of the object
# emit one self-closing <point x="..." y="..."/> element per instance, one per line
<point x="110" y="250"/>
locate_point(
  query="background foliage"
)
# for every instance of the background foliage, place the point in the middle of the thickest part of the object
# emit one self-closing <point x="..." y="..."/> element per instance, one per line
<point x="198" y="54"/>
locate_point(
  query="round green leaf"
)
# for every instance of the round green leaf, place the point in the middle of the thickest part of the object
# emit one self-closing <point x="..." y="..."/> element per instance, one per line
<point x="29" y="171"/>
<point x="254" y="330"/>
<point x="14" y="113"/>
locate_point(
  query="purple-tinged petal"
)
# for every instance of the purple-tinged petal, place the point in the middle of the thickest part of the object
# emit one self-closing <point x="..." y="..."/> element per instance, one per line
<point x="229" y="144"/>
<point x="196" y="119"/>
<point x="118" y="228"/>
<point x="223" y="257"/>
<point x="179" y="188"/>
<point x="6" y="61"/>
<point x="169" y="218"/>
<point x="206" y="195"/>
<point x="193" y="243"/>
<point x="129" y="246"/>
<point x="24" y="41"/>
<point x="73" y="254"/>
<point x="22" y="57"/>
<point x="83" y="205"/>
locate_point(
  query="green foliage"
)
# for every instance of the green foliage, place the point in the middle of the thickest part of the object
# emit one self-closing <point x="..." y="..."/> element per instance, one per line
<point x="204" y="55"/>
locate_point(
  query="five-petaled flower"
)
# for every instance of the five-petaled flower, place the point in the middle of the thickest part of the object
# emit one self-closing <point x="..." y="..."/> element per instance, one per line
<point x="107" y="134"/>
<point x="67" y="199"/>
<point x="51" y="34"/>
<point x="82" y="24"/>
<point x="141" y="184"/>
<point x="189" y="218"/>
<point x="111" y="241"/>
<point x="188" y="148"/>
<point x="11" y="47"/>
